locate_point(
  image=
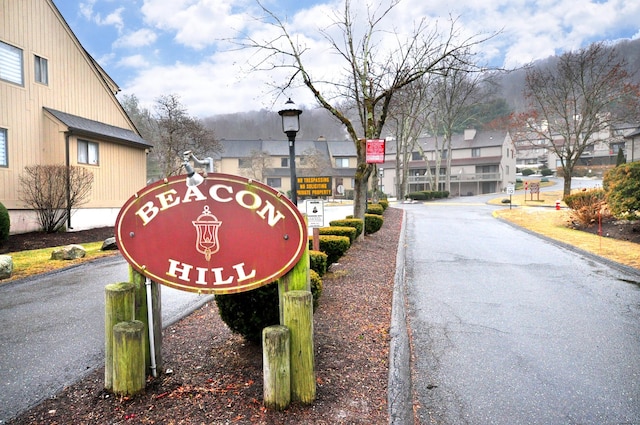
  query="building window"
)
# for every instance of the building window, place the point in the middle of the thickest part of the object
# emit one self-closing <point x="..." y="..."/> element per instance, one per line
<point x="415" y="156"/>
<point x="41" y="70"/>
<point x="87" y="152"/>
<point x="244" y="162"/>
<point x="274" y="181"/>
<point x="342" y="162"/>
<point x="11" y="64"/>
<point x="4" y="157"/>
<point x="475" y="152"/>
<point x="284" y="162"/>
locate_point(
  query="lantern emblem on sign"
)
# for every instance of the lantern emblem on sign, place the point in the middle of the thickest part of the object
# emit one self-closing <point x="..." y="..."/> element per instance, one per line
<point x="207" y="228"/>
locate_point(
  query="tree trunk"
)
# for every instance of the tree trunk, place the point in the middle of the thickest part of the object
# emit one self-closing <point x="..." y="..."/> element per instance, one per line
<point x="276" y="364"/>
<point x="298" y="317"/>
<point x="128" y="358"/>
<point x="119" y="307"/>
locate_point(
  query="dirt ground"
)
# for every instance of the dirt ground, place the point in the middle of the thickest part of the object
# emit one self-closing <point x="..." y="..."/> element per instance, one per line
<point x="211" y="376"/>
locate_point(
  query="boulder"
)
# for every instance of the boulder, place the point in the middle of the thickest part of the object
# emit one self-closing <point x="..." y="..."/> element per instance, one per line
<point x="6" y="266"/>
<point x="109" y="244"/>
<point x="69" y="252"/>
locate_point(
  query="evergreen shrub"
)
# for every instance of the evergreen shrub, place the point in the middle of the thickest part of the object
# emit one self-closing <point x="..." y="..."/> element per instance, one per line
<point x="350" y="222"/>
<point x="372" y="223"/>
<point x="349" y="232"/>
<point x="333" y="246"/>
<point x="318" y="262"/>
<point x="374" y="209"/>
<point x="248" y="313"/>
<point x="622" y="189"/>
<point x="5" y="223"/>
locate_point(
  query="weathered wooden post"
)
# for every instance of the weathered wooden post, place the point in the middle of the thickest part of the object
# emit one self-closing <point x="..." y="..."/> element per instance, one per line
<point x="142" y="314"/>
<point x="118" y="307"/>
<point x="128" y="358"/>
<point x="297" y="279"/>
<point x="276" y="365"/>
<point x="298" y="317"/>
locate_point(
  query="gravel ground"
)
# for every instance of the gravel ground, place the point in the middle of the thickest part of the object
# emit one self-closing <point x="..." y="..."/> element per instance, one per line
<point x="216" y="377"/>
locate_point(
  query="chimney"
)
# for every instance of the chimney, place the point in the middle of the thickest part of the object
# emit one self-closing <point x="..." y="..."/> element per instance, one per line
<point x="469" y="134"/>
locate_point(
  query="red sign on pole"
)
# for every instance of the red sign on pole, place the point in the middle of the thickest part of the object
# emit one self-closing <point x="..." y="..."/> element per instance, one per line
<point x="375" y="151"/>
<point x="229" y="234"/>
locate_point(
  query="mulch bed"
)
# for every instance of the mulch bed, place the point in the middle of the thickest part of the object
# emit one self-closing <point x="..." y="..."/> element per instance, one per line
<point x="216" y="377"/>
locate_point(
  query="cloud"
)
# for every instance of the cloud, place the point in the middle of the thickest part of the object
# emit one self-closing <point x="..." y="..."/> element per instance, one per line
<point x="134" y="61"/>
<point x="140" y="38"/>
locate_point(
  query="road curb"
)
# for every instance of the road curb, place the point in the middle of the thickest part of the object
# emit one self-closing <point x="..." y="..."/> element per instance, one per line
<point x="399" y="398"/>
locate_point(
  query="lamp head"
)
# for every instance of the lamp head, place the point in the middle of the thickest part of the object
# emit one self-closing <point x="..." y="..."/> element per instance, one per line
<point x="193" y="178"/>
<point x="290" y="117"/>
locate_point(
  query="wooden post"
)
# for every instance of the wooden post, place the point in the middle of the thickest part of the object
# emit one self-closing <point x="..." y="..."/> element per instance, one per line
<point x="128" y="358"/>
<point x="316" y="239"/>
<point x="297" y="279"/>
<point x="298" y="317"/>
<point x="141" y="314"/>
<point x="276" y="366"/>
<point x="118" y="307"/>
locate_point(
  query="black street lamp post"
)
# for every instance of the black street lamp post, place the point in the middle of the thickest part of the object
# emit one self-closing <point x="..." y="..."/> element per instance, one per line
<point x="290" y="126"/>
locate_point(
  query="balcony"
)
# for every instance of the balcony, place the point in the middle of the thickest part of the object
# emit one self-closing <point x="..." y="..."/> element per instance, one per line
<point x="465" y="177"/>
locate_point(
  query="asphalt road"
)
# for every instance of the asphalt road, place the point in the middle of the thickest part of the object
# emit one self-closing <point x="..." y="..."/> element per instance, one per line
<point x="52" y="329"/>
<point x="509" y="328"/>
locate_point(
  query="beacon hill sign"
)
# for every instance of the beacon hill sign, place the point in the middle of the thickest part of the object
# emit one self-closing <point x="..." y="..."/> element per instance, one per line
<point x="229" y="234"/>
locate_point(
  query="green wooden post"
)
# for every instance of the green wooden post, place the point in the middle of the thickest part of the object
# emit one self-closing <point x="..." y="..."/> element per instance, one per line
<point x="297" y="279"/>
<point x="298" y="317"/>
<point x="118" y="307"/>
<point x="128" y="358"/>
<point x="276" y="365"/>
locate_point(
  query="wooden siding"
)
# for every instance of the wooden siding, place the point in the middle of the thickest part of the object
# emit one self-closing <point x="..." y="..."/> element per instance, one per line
<point x="76" y="87"/>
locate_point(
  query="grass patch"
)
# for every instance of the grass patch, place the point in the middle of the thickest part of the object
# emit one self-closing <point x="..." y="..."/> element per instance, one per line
<point x="553" y="224"/>
<point x="29" y="263"/>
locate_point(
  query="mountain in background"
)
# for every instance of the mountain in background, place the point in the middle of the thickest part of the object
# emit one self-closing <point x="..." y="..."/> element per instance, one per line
<point x="318" y="123"/>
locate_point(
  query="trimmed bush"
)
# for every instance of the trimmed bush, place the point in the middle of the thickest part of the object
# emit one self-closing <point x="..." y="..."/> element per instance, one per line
<point x="247" y="313"/>
<point x="527" y="172"/>
<point x="349" y="232"/>
<point x="372" y="223"/>
<point x="316" y="287"/>
<point x="622" y="188"/>
<point x="374" y="209"/>
<point x="333" y="246"/>
<point x="350" y="222"/>
<point x="5" y="223"/>
<point x="318" y="262"/>
<point x="384" y="203"/>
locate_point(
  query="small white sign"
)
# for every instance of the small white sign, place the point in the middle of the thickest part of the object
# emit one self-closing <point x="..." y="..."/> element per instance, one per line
<point x="315" y="212"/>
<point x="511" y="189"/>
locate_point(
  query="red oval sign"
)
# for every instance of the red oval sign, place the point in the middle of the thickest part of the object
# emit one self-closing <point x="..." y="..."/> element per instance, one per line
<point x="229" y="234"/>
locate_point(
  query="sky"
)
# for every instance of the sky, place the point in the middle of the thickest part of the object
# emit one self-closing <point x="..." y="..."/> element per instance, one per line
<point x="189" y="48"/>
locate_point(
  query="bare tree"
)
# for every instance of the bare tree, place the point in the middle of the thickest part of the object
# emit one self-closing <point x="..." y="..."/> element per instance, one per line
<point x="255" y="165"/>
<point x="179" y="132"/>
<point x="574" y="101"/>
<point x="453" y="95"/>
<point x="314" y="163"/>
<point x="53" y="191"/>
<point x="373" y="75"/>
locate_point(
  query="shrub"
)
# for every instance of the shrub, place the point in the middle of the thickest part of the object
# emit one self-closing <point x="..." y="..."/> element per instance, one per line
<point x="350" y="222"/>
<point x="318" y="262"/>
<point x="372" y="223"/>
<point x="622" y="188"/>
<point x="546" y="171"/>
<point x="5" y="223"/>
<point x="384" y="203"/>
<point x="374" y="209"/>
<point x="349" y="232"/>
<point x="333" y="246"/>
<point x="586" y="206"/>
<point x="247" y="313"/>
<point x="316" y="287"/>
<point x="527" y="172"/>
